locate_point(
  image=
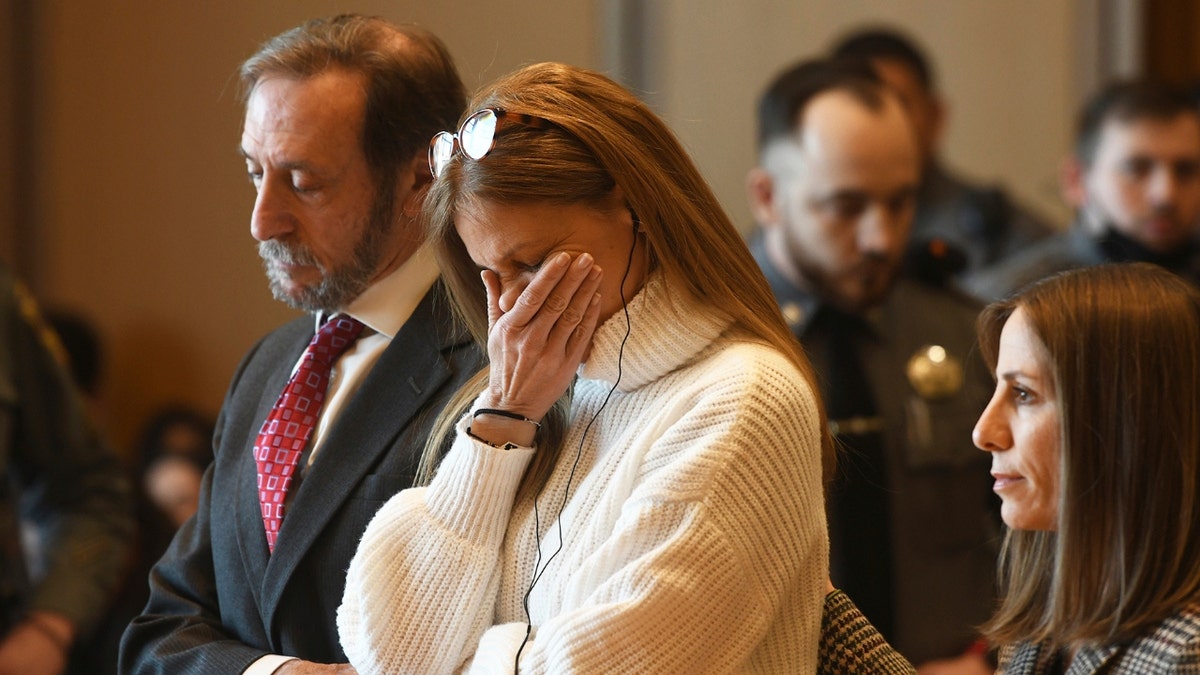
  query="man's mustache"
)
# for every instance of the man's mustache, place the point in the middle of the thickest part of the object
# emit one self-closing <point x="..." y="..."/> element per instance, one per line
<point x="281" y="253"/>
<point x="1166" y="212"/>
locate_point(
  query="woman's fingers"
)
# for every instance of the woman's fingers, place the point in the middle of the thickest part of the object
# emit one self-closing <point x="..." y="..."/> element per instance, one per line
<point x="573" y="315"/>
<point x="536" y="347"/>
<point x="551" y="291"/>
<point x="491" y="282"/>
<point x="581" y="337"/>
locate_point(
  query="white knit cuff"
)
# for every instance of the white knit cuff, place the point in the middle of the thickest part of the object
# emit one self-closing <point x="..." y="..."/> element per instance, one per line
<point x="475" y="486"/>
<point x="498" y="649"/>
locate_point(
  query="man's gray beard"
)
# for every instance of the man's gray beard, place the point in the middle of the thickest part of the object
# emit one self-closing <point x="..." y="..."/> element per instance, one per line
<point x="338" y="287"/>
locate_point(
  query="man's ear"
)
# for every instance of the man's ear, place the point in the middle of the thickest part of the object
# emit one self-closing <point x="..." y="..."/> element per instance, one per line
<point x="760" y="192"/>
<point x="413" y="183"/>
<point x="1072" y="181"/>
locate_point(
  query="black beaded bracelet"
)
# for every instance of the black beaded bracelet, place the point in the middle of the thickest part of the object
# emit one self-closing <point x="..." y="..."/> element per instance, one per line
<point x="508" y="445"/>
<point x="505" y="413"/>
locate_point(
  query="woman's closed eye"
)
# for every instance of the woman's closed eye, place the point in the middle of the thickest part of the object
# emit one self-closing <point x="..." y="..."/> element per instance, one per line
<point x="529" y="267"/>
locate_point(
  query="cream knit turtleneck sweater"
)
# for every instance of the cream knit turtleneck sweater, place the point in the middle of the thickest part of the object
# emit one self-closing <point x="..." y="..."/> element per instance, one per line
<point x="692" y="541"/>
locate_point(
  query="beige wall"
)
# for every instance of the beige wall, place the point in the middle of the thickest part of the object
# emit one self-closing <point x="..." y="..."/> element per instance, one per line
<point x="144" y="203"/>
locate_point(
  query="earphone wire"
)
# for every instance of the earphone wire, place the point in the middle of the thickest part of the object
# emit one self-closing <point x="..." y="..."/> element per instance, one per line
<point x="537" y="575"/>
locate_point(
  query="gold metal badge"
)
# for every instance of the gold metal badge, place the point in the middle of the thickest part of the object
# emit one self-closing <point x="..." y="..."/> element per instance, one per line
<point x="934" y="372"/>
<point x="792" y="313"/>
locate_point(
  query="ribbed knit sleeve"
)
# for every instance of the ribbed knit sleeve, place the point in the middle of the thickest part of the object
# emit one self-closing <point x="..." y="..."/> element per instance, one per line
<point x="421" y="588"/>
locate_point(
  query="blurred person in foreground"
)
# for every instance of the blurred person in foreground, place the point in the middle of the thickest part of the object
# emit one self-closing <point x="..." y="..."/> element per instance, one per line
<point x="635" y="480"/>
<point x="67" y="486"/>
<point x="339" y="113"/>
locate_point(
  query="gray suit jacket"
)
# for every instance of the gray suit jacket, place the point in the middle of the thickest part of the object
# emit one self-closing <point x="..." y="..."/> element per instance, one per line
<point x="981" y="221"/>
<point x="1172" y="647"/>
<point x="217" y="601"/>
<point x="1069" y="250"/>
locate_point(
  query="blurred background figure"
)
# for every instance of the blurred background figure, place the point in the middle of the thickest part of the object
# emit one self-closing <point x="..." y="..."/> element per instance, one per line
<point x="84" y="352"/>
<point x="1134" y="180"/>
<point x="173" y="451"/>
<point x="165" y="470"/>
<point x="980" y="223"/>
<point x="913" y="523"/>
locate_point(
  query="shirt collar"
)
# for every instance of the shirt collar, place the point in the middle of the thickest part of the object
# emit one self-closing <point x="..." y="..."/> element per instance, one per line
<point x="387" y="304"/>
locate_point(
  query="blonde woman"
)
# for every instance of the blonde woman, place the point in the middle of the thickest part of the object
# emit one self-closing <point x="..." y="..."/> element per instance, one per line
<point x="634" y="484"/>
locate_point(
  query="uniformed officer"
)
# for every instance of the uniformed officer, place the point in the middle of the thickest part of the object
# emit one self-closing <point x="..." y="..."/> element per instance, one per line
<point x="913" y="522"/>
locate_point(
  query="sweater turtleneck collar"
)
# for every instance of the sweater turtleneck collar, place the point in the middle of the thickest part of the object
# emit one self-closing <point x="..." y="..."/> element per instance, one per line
<point x="666" y="331"/>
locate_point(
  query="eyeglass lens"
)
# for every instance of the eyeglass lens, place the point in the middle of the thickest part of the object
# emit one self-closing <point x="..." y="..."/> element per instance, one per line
<point x="440" y="151"/>
<point x="477" y="134"/>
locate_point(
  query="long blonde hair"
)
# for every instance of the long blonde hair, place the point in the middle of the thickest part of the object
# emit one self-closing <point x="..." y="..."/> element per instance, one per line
<point x="601" y="138"/>
<point x="1124" y="343"/>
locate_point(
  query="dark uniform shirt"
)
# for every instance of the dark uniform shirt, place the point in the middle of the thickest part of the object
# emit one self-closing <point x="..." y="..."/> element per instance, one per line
<point x="1077" y="248"/>
<point x="937" y="549"/>
<point x="980" y="221"/>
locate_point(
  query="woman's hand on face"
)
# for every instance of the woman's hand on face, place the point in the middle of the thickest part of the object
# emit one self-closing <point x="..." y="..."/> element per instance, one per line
<point x="536" y="347"/>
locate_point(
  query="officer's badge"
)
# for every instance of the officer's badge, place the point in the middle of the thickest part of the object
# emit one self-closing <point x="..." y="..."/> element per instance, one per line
<point x="793" y="314"/>
<point x="934" y="373"/>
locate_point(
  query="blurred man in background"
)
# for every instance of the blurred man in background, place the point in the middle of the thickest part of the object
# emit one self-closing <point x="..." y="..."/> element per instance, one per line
<point x="979" y="223"/>
<point x="1134" y="180"/>
<point x="913" y="522"/>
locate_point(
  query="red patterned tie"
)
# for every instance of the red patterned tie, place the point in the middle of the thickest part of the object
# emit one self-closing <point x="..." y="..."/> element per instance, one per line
<point x="290" y="424"/>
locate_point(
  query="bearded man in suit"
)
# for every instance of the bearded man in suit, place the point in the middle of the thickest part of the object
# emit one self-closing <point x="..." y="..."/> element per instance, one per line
<point x="339" y="113"/>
